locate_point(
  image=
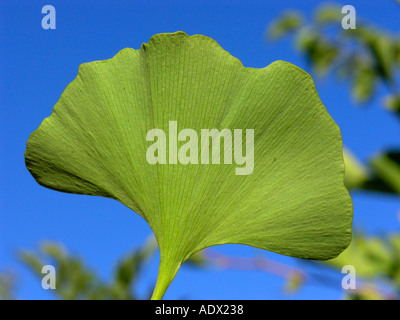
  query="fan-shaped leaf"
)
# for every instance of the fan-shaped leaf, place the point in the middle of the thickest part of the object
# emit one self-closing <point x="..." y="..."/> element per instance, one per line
<point x="291" y="200"/>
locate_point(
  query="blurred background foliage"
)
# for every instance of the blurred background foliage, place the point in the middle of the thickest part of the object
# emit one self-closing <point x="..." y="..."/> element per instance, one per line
<point x="74" y="280"/>
<point x="365" y="58"/>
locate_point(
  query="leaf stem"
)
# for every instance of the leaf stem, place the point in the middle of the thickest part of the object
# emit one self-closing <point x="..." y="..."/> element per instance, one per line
<point x="166" y="273"/>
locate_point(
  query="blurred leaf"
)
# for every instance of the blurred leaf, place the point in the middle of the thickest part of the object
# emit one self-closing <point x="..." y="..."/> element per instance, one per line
<point x="53" y="250"/>
<point x="288" y="22"/>
<point x="32" y="260"/>
<point x="198" y="259"/>
<point x="7" y="286"/>
<point x="363" y="83"/>
<point x="355" y="173"/>
<point x="365" y="293"/>
<point x="392" y="103"/>
<point x="384" y="55"/>
<point x="369" y="256"/>
<point x="328" y="13"/>
<point x="396" y="53"/>
<point x="387" y="167"/>
<point x="394" y="271"/>
<point x="319" y="51"/>
<point x="129" y="268"/>
<point x="373" y="258"/>
<point x="379" y="46"/>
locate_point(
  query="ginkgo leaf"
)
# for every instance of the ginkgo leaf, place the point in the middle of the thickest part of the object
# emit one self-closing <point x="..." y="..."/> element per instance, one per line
<point x="291" y="200"/>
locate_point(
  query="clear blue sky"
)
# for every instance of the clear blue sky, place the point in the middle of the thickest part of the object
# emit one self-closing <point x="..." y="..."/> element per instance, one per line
<point x="35" y="67"/>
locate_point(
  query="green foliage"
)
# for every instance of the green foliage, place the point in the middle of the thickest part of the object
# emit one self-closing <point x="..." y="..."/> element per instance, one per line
<point x="7" y="285"/>
<point x="375" y="259"/>
<point x="76" y="281"/>
<point x="392" y="103"/>
<point x="367" y="57"/>
<point x="387" y="169"/>
<point x="328" y="14"/>
<point x="94" y="143"/>
<point x="289" y="22"/>
<point x="320" y="52"/>
<point x="382" y="174"/>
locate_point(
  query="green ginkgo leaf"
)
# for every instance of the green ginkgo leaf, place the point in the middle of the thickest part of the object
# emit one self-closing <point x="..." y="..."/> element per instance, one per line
<point x="290" y="198"/>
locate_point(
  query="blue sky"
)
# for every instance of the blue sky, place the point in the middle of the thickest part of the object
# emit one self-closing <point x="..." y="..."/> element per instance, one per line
<point x="35" y="67"/>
